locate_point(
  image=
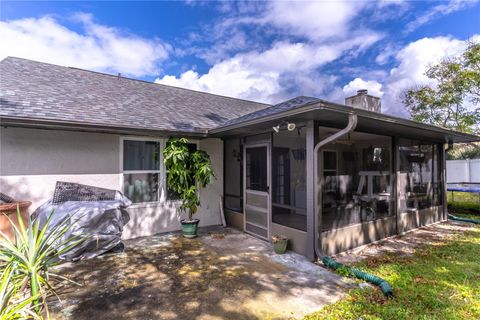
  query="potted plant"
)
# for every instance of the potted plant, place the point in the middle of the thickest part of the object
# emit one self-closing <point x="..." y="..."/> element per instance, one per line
<point x="279" y="244"/>
<point x="188" y="172"/>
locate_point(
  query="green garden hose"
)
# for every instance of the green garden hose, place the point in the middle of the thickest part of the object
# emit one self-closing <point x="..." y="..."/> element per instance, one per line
<point x="384" y="285"/>
<point x="455" y="218"/>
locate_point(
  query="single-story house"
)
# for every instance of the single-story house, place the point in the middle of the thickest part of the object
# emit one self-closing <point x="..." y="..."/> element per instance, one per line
<point x="328" y="176"/>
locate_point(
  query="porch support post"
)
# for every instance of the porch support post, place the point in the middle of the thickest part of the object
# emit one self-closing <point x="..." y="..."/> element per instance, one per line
<point x="443" y="178"/>
<point x="312" y="139"/>
<point x="396" y="182"/>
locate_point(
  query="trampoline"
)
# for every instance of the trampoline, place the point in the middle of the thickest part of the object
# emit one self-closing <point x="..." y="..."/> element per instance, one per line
<point x="469" y="187"/>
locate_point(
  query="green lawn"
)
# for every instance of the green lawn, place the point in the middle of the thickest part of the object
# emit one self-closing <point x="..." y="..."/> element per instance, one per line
<point x="464" y="202"/>
<point x="440" y="281"/>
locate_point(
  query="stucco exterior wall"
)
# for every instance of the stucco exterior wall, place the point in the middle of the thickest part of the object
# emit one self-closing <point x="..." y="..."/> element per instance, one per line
<point x="32" y="160"/>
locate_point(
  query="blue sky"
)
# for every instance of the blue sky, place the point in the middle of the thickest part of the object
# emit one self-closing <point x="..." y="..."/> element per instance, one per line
<point x="263" y="51"/>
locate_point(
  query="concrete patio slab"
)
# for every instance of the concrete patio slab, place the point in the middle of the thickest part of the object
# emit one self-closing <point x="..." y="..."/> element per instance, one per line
<point x="223" y="274"/>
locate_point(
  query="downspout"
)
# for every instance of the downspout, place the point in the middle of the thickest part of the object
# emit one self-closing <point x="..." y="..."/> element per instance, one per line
<point x="352" y="124"/>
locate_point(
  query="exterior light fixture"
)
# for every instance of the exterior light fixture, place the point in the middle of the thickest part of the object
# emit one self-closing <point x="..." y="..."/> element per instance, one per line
<point x="290" y="126"/>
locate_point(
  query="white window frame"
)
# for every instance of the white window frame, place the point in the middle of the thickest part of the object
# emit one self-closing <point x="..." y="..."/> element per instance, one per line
<point x="162" y="172"/>
<point x="161" y="176"/>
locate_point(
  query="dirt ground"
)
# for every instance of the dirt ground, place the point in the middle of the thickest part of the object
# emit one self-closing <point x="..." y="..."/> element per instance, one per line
<point x="407" y="243"/>
<point x="223" y="274"/>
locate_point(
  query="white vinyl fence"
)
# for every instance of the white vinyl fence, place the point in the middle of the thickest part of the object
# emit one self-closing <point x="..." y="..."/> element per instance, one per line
<point x="463" y="171"/>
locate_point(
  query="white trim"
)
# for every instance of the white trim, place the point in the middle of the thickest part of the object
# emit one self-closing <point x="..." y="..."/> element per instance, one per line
<point x="141" y="171"/>
<point x="256" y="192"/>
<point x="256" y="208"/>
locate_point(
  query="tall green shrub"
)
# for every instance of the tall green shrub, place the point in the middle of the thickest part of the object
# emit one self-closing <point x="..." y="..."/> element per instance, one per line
<point x="188" y="172"/>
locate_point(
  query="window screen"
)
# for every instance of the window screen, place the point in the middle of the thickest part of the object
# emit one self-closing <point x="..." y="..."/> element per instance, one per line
<point x="141" y="170"/>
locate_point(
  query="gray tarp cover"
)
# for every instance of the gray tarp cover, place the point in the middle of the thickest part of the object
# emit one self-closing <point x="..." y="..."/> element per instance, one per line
<point x="100" y="221"/>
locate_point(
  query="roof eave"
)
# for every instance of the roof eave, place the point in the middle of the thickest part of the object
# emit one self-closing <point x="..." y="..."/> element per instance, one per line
<point x="6" y="121"/>
<point x="325" y="105"/>
<point x="275" y="116"/>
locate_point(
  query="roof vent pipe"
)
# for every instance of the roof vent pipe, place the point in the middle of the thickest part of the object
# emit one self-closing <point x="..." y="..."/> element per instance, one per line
<point x="352" y="124"/>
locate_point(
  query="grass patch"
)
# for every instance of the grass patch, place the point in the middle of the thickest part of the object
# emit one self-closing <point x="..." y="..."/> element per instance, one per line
<point x="463" y="202"/>
<point x="440" y="281"/>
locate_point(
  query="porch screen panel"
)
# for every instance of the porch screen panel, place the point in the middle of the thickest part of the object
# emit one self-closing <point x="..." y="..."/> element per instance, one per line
<point x="256" y="230"/>
<point x="256" y="169"/>
<point x="356" y="175"/>
<point x="256" y="216"/>
<point x="420" y="175"/>
<point x="289" y="196"/>
<point x="233" y="190"/>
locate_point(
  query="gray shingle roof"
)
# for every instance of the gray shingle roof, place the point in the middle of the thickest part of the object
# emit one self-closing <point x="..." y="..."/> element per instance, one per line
<point x="291" y="104"/>
<point x="41" y="91"/>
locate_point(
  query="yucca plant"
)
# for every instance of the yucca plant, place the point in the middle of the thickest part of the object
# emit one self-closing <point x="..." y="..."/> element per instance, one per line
<point x="28" y="258"/>
<point x="12" y="304"/>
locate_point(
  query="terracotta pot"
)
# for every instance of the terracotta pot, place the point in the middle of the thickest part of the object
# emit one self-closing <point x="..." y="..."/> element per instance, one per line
<point x="10" y="210"/>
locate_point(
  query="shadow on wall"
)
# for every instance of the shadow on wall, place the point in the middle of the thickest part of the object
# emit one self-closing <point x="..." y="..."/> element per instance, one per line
<point x="40" y="188"/>
<point x="148" y="220"/>
<point x="20" y="190"/>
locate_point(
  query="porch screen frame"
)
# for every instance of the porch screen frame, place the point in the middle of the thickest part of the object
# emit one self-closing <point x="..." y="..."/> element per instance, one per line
<point x="225" y="194"/>
<point x="268" y="226"/>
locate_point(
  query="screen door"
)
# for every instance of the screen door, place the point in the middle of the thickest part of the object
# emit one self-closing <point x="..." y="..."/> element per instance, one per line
<point x="257" y="190"/>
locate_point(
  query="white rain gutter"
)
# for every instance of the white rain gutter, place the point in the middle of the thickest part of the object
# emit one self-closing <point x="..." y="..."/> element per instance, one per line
<point x="352" y="124"/>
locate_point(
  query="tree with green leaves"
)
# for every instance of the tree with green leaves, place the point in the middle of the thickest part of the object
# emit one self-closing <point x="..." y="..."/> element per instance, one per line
<point x="453" y="100"/>
<point x="188" y="172"/>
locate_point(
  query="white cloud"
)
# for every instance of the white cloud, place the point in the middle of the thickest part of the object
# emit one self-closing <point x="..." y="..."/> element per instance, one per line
<point x="268" y="75"/>
<point x="412" y="62"/>
<point x="99" y="47"/>
<point x="308" y="35"/>
<point x="315" y="20"/>
<point x="438" y="11"/>
<point x="322" y="31"/>
<point x="386" y="54"/>
<point x="385" y="3"/>
<point x="373" y="87"/>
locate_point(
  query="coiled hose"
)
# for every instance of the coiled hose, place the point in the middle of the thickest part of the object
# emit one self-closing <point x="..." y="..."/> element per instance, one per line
<point x="382" y="284"/>
<point x="455" y="218"/>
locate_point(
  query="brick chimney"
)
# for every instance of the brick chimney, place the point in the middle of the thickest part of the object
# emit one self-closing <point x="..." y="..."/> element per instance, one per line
<point x="363" y="100"/>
